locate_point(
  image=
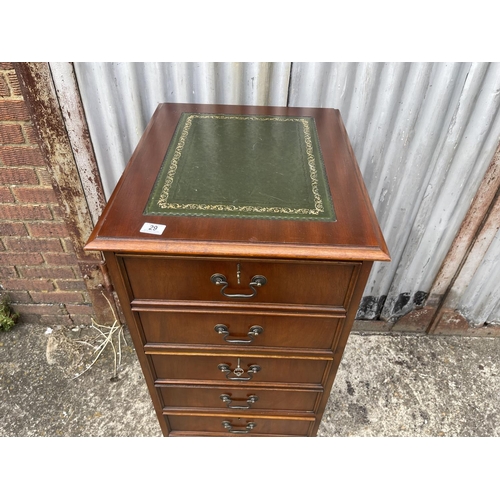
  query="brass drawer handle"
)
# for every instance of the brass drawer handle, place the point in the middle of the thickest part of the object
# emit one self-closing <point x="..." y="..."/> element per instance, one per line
<point x="226" y="398"/>
<point x="252" y="333"/>
<point x="228" y="426"/>
<point x="220" y="279"/>
<point x="238" y="371"/>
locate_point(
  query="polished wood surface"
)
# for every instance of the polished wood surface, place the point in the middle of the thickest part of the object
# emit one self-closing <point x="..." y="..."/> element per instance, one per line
<point x="321" y="283"/>
<point x="263" y="426"/>
<point x="316" y="273"/>
<point x="354" y="236"/>
<point x="190" y="397"/>
<point x="197" y="327"/>
<point x="194" y="368"/>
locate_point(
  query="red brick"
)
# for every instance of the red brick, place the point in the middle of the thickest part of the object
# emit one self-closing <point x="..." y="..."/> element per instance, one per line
<point x="14" y="84"/>
<point x="18" y="176"/>
<point x="60" y="259"/>
<point x="46" y="272"/>
<point x="11" y="134"/>
<point x="56" y="297"/>
<point x="68" y="245"/>
<point x="20" y="259"/>
<point x="32" y="244"/>
<point x="62" y="319"/>
<point x="24" y="284"/>
<point x="12" y="229"/>
<point x="15" y="155"/>
<point x="4" y="88"/>
<point x="29" y="132"/>
<point x="6" y="195"/>
<point x="30" y="319"/>
<point x="35" y="194"/>
<point x="41" y="229"/>
<point x="52" y="309"/>
<point x="79" y="309"/>
<point x="58" y="213"/>
<point x="28" y="212"/>
<point x="13" y="110"/>
<point x="44" y="319"/>
<point x="22" y="297"/>
<point x="81" y="319"/>
<point x="7" y="272"/>
<point x="44" y="177"/>
<point x="71" y="284"/>
<point x="6" y="65"/>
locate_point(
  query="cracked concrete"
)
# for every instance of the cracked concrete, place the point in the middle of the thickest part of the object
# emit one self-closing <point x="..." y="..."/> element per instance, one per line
<point x="39" y="395"/>
<point x="416" y="386"/>
<point x="387" y="385"/>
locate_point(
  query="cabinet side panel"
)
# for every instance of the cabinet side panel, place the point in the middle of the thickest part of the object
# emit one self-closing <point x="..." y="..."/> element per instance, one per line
<point x="120" y="283"/>
<point x="344" y="336"/>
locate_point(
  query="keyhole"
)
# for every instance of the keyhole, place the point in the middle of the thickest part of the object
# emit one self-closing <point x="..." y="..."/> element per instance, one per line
<point x="238" y="274"/>
<point x="238" y="371"/>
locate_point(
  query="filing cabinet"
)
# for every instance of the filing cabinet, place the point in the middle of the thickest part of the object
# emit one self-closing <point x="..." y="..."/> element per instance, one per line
<point x="239" y="241"/>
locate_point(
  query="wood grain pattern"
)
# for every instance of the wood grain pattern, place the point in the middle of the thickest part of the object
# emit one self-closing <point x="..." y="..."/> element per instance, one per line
<point x="355" y="231"/>
<point x="263" y="426"/>
<point x="189" y="279"/>
<point x="299" y="371"/>
<point x="198" y="328"/>
<point x="316" y="274"/>
<point x="192" y="397"/>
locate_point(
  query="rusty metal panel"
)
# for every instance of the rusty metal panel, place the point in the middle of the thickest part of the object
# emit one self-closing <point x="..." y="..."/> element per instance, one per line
<point x="73" y="114"/>
<point x="424" y="135"/>
<point x="41" y="98"/>
<point x="47" y="115"/>
<point x="480" y="302"/>
<point x="120" y="98"/>
<point x="475" y="293"/>
<point x="458" y="260"/>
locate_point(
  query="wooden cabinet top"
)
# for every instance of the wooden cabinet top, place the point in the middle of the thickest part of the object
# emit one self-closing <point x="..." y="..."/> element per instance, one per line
<point x="242" y="181"/>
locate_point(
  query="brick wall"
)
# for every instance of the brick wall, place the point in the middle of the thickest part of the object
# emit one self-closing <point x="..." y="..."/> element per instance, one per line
<point x="38" y="267"/>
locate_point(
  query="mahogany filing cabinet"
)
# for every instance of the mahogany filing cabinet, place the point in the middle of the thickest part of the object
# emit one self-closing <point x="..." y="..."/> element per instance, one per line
<point x="239" y="240"/>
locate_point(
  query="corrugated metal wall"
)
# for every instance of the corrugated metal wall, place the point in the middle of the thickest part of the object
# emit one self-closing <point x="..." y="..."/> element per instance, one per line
<point x="480" y="302"/>
<point x="120" y="98"/>
<point x="423" y="133"/>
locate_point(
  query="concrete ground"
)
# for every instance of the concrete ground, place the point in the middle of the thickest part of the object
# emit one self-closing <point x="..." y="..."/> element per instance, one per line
<point x="387" y="385"/>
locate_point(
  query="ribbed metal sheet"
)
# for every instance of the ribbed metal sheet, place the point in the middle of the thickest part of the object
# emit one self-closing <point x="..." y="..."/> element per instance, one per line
<point x="120" y="98"/>
<point x="423" y="134"/>
<point x="480" y="303"/>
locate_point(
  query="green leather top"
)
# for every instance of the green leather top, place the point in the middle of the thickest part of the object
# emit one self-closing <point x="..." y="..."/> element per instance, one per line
<point x="243" y="166"/>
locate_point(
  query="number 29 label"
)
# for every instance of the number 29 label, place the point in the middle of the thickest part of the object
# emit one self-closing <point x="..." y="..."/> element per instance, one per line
<point x="150" y="228"/>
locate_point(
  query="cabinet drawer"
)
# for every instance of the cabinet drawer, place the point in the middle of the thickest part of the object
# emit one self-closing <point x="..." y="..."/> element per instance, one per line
<point x="278" y="370"/>
<point x="229" y="426"/>
<point x="319" y="283"/>
<point x="238" y="399"/>
<point x="239" y="328"/>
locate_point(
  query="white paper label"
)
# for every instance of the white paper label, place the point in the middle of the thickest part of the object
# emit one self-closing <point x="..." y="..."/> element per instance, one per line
<point x="151" y="228"/>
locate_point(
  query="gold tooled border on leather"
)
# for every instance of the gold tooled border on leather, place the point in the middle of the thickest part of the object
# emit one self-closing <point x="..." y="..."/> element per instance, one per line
<point x="172" y="168"/>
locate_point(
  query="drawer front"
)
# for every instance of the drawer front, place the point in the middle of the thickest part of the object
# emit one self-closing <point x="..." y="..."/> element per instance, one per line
<point x="236" y="399"/>
<point x="239" y="329"/>
<point x="324" y="284"/>
<point x="242" y="426"/>
<point x="278" y="370"/>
